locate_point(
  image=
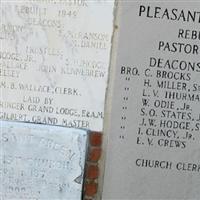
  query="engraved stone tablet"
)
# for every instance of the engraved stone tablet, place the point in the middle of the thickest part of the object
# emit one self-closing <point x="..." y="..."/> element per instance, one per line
<point x="41" y="162"/>
<point x="153" y="127"/>
<point x="54" y="57"/>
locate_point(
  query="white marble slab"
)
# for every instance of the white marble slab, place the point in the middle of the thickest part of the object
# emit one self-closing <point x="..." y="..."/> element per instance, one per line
<point x="153" y="122"/>
<point x="41" y="162"/>
<point x="54" y="58"/>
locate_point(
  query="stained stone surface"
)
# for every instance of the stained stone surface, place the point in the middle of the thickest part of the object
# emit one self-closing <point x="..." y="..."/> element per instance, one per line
<point x="41" y="162"/>
<point x="153" y="122"/>
<point x="54" y="58"/>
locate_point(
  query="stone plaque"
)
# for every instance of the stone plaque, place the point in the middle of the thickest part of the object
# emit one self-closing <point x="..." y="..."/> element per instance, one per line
<point x="41" y="162"/>
<point x="153" y="125"/>
<point x="54" y="57"/>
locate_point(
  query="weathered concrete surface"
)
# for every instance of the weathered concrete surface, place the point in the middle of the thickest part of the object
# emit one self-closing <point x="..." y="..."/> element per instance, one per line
<point x="41" y="162"/>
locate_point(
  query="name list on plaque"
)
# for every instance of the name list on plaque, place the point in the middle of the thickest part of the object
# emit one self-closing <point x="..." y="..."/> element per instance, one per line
<point x="54" y="61"/>
<point x="154" y="122"/>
